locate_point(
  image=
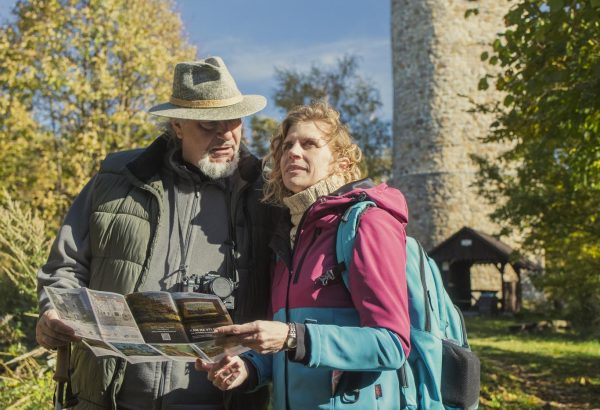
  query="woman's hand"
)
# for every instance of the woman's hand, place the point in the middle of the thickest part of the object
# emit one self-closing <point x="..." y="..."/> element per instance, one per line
<point x="262" y="336"/>
<point x="226" y="374"/>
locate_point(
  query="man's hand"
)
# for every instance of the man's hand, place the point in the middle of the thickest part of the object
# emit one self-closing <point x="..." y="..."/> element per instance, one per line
<point x="227" y="374"/>
<point x="51" y="332"/>
<point x="262" y="336"/>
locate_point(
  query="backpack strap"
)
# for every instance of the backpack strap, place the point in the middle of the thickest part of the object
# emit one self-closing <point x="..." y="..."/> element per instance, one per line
<point x="346" y="234"/>
<point x="423" y="282"/>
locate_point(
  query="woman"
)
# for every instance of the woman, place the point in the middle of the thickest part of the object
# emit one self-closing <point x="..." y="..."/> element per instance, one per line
<point x="327" y="346"/>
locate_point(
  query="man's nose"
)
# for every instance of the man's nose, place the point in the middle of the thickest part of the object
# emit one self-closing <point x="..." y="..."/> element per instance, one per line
<point x="224" y="131"/>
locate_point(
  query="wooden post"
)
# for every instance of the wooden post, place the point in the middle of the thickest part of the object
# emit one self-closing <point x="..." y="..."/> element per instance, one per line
<point x="519" y="290"/>
<point x="502" y="305"/>
<point x="510" y="295"/>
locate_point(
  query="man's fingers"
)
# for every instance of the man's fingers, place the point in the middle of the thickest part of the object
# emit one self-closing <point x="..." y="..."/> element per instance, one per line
<point x="51" y="343"/>
<point x="51" y="332"/>
<point x="58" y="326"/>
<point x="50" y="324"/>
<point x="60" y="334"/>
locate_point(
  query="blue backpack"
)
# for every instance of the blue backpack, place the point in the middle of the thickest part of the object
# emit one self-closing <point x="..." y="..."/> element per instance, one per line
<point x="441" y="371"/>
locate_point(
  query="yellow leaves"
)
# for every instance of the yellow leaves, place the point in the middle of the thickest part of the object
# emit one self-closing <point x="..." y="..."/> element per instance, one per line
<point x="581" y="380"/>
<point x="509" y="396"/>
<point x="75" y="76"/>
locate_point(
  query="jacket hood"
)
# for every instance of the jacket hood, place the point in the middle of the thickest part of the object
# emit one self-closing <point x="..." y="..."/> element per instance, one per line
<point x="387" y="198"/>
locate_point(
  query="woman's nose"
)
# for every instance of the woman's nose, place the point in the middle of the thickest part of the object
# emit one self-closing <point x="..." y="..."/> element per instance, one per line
<point x="294" y="150"/>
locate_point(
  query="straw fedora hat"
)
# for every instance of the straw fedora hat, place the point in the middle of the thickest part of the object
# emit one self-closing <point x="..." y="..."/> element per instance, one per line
<point x="204" y="90"/>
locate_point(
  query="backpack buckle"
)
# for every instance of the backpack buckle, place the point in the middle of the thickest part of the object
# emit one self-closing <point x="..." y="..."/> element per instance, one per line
<point x="326" y="277"/>
<point x="332" y="275"/>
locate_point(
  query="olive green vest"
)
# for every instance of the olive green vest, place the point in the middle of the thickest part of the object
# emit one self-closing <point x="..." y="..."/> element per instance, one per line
<point x="125" y="214"/>
<point x="127" y="199"/>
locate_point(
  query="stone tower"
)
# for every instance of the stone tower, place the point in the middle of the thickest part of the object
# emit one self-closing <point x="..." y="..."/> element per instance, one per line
<point x="436" y="63"/>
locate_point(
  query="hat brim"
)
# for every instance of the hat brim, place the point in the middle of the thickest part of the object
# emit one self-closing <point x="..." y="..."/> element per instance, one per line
<point x="251" y="104"/>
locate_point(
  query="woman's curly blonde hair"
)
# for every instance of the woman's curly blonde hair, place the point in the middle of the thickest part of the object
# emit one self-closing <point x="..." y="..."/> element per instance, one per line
<point x="336" y="134"/>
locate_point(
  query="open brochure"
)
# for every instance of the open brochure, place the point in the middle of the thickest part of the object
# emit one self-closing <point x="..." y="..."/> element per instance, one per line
<point x="146" y="326"/>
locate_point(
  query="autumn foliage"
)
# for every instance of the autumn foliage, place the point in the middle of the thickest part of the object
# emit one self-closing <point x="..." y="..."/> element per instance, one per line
<point x="76" y="79"/>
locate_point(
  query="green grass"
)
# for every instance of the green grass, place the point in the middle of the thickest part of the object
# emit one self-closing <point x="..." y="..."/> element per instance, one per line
<point x="543" y="370"/>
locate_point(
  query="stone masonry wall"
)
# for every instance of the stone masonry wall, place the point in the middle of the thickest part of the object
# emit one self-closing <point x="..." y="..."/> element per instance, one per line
<point x="436" y="62"/>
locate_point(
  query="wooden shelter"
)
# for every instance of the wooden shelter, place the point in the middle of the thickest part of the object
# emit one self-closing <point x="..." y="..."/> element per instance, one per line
<point x="456" y="255"/>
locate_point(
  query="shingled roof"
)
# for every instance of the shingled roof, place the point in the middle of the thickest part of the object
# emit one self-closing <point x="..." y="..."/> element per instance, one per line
<point x="468" y="244"/>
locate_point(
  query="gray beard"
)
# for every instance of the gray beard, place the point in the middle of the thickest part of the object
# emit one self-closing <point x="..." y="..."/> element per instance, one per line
<point x="217" y="170"/>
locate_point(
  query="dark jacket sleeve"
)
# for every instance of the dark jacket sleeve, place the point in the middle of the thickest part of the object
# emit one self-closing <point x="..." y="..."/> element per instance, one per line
<point x="69" y="261"/>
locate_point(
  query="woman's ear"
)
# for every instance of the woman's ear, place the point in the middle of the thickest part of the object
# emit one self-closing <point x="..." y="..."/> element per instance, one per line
<point x="342" y="164"/>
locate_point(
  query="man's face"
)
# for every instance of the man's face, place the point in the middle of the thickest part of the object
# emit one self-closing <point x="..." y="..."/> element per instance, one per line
<point x="212" y="146"/>
<point x="217" y="140"/>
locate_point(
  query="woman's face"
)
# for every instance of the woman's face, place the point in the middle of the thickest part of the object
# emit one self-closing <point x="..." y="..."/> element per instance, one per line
<point x="306" y="158"/>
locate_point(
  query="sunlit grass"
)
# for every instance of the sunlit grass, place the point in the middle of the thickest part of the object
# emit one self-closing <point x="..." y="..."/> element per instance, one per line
<point x="536" y="370"/>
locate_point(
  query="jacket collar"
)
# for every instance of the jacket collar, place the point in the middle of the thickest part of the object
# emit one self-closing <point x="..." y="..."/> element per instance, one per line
<point x="150" y="161"/>
<point x="365" y="183"/>
<point x="280" y="241"/>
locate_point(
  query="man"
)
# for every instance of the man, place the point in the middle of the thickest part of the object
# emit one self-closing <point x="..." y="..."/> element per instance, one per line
<point x="163" y="218"/>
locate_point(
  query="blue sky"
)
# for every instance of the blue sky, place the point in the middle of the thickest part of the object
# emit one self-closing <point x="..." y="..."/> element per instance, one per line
<point x="254" y="36"/>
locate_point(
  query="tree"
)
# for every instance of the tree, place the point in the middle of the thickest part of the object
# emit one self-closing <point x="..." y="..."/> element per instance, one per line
<point x="356" y="99"/>
<point x="25" y="382"/>
<point x="548" y="181"/>
<point x="263" y="129"/>
<point x="76" y="77"/>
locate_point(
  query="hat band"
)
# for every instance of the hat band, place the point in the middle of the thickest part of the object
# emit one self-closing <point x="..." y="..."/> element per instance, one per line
<point x="206" y="103"/>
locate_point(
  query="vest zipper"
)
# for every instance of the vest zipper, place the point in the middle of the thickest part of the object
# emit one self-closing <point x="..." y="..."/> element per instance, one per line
<point x="153" y="236"/>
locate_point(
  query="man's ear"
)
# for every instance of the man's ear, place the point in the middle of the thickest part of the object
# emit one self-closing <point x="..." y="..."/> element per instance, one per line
<point x="176" y="124"/>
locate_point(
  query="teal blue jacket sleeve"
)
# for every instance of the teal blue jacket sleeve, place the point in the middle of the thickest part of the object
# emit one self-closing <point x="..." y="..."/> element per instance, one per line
<point x="352" y="348"/>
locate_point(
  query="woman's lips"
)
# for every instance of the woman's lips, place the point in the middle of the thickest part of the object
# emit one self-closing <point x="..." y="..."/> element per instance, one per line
<point x="293" y="168"/>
